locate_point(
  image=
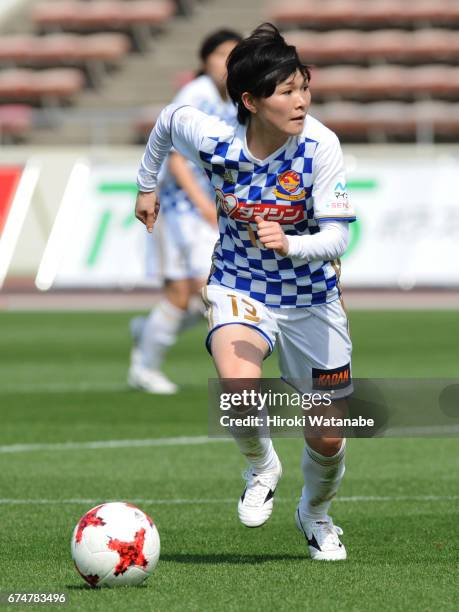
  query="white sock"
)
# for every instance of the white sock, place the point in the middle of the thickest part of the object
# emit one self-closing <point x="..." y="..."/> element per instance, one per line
<point x="259" y="452"/>
<point x="159" y="333"/>
<point x="322" y="477"/>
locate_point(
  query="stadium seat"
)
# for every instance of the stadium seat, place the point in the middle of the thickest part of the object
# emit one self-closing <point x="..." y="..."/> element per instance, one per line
<point x="441" y="117"/>
<point x="47" y="87"/>
<point x="364" y="13"/>
<point x="381" y="121"/>
<point x="353" y="46"/>
<point x="433" y="80"/>
<point x="340" y="46"/>
<point x="354" y="82"/>
<point x="347" y="119"/>
<point x="94" y="52"/>
<point x="15" y="121"/>
<point x="386" y="81"/>
<point x="144" y="123"/>
<point x="136" y="17"/>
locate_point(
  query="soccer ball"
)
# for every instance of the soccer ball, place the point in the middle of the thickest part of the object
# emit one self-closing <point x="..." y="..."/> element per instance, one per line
<point x="115" y="544"/>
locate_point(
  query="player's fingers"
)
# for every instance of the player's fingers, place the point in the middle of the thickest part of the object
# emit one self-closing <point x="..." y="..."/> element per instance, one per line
<point x="150" y="220"/>
<point x="269" y="232"/>
<point x="275" y="244"/>
<point x="261" y="223"/>
<point x="140" y="215"/>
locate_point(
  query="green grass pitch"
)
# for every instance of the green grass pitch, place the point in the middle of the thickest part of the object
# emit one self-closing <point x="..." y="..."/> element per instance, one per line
<point x="62" y="379"/>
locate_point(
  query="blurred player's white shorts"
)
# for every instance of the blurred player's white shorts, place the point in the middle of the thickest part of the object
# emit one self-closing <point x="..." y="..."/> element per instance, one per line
<point x="313" y="342"/>
<point x="186" y="245"/>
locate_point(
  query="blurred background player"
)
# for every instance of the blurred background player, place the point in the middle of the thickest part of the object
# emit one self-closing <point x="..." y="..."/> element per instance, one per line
<point x="189" y="229"/>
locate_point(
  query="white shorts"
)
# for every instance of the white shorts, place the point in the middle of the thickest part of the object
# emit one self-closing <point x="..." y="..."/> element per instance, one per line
<point x="187" y="243"/>
<point x="313" y="342"/>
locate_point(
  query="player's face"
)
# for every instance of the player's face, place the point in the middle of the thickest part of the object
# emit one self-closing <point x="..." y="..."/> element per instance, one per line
<point x="285" y="110"/>
<point x="215" y="64"/>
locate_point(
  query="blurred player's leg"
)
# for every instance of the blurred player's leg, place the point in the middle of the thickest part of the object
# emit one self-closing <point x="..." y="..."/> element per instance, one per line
<point x="159" y="333"/>
<point x="187" y="248"/>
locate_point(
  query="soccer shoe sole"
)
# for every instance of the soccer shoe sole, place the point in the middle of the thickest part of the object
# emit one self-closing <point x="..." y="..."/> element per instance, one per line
<point x="320" y="555"/>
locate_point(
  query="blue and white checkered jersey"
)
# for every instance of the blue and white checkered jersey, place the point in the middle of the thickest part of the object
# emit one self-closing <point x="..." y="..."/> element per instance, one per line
<point x="200" y="93"/>
<point x="300" y="185"/>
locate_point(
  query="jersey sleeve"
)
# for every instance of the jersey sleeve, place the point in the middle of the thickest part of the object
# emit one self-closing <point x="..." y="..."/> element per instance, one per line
<point x="181" y="127"/>
<point x="330" y="195"/>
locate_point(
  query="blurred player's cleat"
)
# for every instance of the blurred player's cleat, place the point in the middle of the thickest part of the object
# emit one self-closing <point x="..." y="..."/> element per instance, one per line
<point x="322" y="538"/>
<point x="150" y="381"/>
<point x="256" y="502"/>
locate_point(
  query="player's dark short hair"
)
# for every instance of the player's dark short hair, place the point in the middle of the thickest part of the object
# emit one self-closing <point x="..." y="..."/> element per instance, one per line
<point x="258" y="64"/>
<point x="214" y="40"/>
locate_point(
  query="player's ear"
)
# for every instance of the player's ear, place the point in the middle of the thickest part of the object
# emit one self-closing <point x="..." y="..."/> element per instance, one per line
<point x="249" y="102"/>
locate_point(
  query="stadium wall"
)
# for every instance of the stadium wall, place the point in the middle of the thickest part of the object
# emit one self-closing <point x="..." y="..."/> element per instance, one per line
<point x="79" y="229"/>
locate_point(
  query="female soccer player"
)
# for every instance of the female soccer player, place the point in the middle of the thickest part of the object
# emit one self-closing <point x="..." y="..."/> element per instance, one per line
<point x="283" y="216"/>
<point x="189" y="220"/>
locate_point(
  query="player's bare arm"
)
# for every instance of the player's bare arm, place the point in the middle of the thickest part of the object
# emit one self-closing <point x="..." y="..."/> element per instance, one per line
<point x="147" y="208"/>
<point x="184" y="176"/>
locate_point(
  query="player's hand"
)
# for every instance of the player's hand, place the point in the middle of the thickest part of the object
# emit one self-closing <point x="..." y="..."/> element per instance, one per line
<point x="271" y="235"/>
<point x="147" y="208"/>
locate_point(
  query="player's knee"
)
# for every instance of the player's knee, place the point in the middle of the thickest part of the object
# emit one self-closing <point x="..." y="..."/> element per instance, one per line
<point x="178" y="293"/>
<point x="240" y="374"/>
<point x="326" y="446"/>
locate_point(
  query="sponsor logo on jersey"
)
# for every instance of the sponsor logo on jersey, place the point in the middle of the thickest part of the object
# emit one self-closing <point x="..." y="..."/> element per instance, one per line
<point x="289" y="186"/>
<point x="341" y="198"/>
<point x="328" y="380"/>
<point x="245" y="211"/>
<point x="227" y="202"/>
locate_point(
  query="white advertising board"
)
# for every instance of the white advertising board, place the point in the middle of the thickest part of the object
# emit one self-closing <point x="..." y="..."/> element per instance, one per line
<point x="98" y="243"/>
<point x="407" y="232"/>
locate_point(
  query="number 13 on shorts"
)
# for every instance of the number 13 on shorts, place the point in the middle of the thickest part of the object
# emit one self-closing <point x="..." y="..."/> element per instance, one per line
<point x="227" y="307"/>
<point x="249" y="310"/>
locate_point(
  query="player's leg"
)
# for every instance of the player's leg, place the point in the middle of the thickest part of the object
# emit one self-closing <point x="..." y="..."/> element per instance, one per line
<point x="158" y="331"/>
<point x="187" y="248"/>
<point x="238" y="347"/>
<point x="314" y="344"/>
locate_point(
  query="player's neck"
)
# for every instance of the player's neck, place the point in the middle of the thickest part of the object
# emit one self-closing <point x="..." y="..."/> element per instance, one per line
<point x="262" y="141"/>
<point x="223" y="93"/>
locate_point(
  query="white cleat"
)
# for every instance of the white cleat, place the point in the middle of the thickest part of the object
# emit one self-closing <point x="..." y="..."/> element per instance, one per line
<point x="322" y="538"/>
<point x="256" y="502"/>
<point x="150" y="381"/>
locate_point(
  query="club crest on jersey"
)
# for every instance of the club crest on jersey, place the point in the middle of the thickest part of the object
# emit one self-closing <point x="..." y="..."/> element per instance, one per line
<point x="289" y="186"/>
<point x="226" y="201"/>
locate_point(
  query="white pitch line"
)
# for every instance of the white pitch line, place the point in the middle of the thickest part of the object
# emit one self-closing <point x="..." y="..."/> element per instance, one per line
<point x="27" y="388"/>
<point x="104" y="444"/>
<point x="179" y="502"/>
